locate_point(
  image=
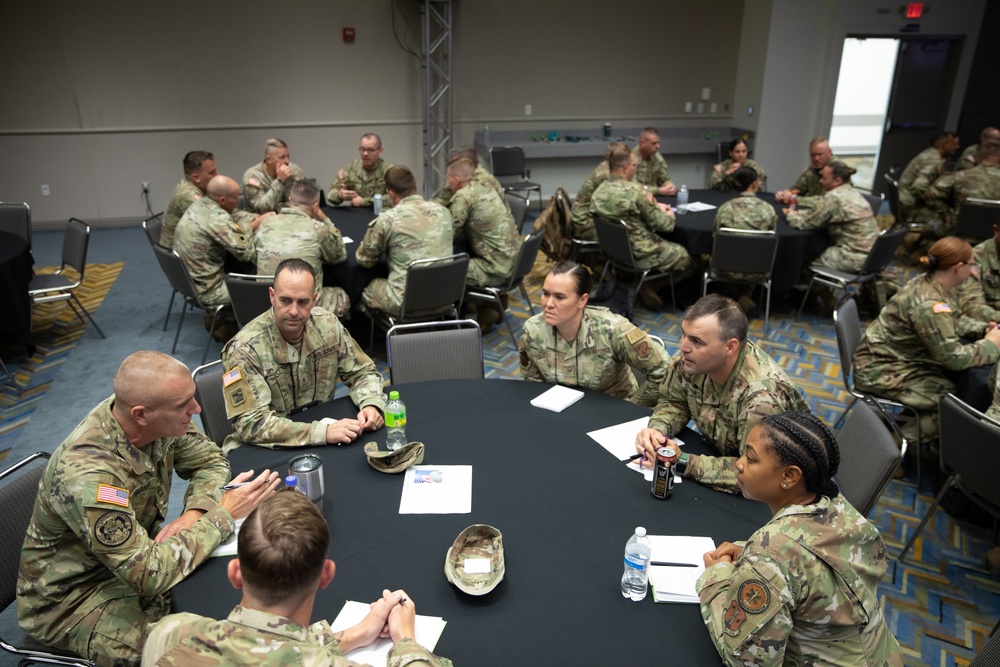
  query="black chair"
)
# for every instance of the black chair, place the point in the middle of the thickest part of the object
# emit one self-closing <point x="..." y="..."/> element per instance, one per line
<point x="969" y="448"/>
<point x="871" y="448"/>
<point x="522" y="266"/>
<point x="154" y="231"/>
<point x="250" y="295"/>
<point x="743" y="251"/>
<point x="17" y="498"/>
<point x="15" y="218"/>
<point x="46" y="288"/>
<point x="875" y="201"/>
<point x="180" y="279"/>
<point x="612" y="237"/>
<point x="976" y="218"/>
<point x="509" y="168"/>
<point x="434" y="351"/>
<point x="892" y="194"/>
<point x="580" y="246"/>
<point x="880" y="256"/>
<point x="208" y="393"/>
<point x="519" y="209"/>
<point x="13" y="380"/>
<point x="990" y="655"/>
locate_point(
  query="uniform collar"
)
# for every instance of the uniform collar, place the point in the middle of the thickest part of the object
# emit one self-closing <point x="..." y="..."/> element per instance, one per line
<point x="271" y="624"/>
<point x="139" y="460"/>
<point x="820" y="505"/>
<point x="287" y="353"/>
<point x="573" y="347"/>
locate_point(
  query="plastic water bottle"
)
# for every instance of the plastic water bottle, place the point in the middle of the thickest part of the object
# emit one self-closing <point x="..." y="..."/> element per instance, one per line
<point x="377" y="204"/>
<point x="292" y="482"/>
<point x="682" y="200"/>
<point x="638" y="551"/>
<point x="486" y="134"/>
<point x="395" y="422"/>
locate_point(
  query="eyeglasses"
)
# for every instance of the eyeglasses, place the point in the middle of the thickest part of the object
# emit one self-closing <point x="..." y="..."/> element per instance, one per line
<point x="362" y="149"/>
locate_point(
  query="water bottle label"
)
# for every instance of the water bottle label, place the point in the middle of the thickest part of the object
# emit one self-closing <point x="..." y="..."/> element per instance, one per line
<point x="394" y="420"/>
<point x="634" y="563"/>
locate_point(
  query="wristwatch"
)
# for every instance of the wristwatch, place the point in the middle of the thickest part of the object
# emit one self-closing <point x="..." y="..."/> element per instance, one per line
<point x="682" y="463"/>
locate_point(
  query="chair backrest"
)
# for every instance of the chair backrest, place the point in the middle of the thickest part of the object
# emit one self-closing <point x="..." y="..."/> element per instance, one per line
<point x="847" y="324"/>
<point x="744" y="250"/>
<point x="976" y="218"/>
<point x="434" y="351"/>
<point x="176" y="273"/>
<point x="507" y="161"/>
<point x="434" y="284"/>
<point x="75" y="245"/>
<point x="612" y="238"/>
<point x="875" y="201"/>
<point x="970" y="447"/>
<point x="17" y="497"/>
<point x="519" y="209"/>
<point x="526" y="257"/>
<point x="15" y="218"/>
<point x="871" y="447"/>
<point x="990" y="655"/>
<point x="154" y="228"/>
<point x="884" y="249"/>
<point x="892" y="193"/>
<point x="249" y="295"/>
<point x="208" y="393"/>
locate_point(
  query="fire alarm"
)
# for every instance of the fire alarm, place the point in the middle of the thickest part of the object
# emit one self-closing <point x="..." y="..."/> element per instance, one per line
<point x="348" y="35"/>
<point x="914" y="10"/>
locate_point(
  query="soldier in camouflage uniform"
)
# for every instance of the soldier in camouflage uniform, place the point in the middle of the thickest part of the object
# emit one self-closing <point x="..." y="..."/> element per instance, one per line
<point x="266" y="185"/>
<point x="302" y="230"/>
<point x="582" y="220"/>
<point x="588" y="347"/>
<point x="92" y="575"/>
<point x="413" y="229"/>
<point x="951" y="190"/>
<point x="803" y="589"/>
<point x="919" y="174"/>
<point x="652" y="170"/>
<point x="808" y="184"/>
<point x="481" y="176"/>
<point x="979" y="296"/>
<point x="970" y="156"/>
<point x="722" y="381"/>
<point x="845" y="213"/>
<point x="362" y="179"/>
<point x="282" y="549"/>
<point x="488" y="226"/>
<point x="909" y="354"/>
<point x="199" y="169"/>
<point x="209" y="229"/>
<point x="722" y="174"/>
<point x="292" y="356"/>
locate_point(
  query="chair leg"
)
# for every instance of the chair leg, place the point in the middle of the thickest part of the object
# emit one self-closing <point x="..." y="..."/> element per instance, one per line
<point x="87" y="313"/>
<point x="804" y="297"/>
<point x="506" y="319"/>
<point x="600" y="282"/>
<point x="524" y="293"/>
<point x="170" y="307"/>
<point x="704" y="284"/>
<point x="950" y="482"/>
<point x="847" y="408"/>
<point x="767" y="310"/>
<point x="13" y="380"/>
<point x="180" y="324"/>
<point x="211" y="331"/>
<point x="673" y="296"/>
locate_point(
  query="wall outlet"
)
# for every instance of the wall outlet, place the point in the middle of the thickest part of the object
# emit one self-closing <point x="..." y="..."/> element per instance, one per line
<point x="706" y="94"/>
<point x="527" y="109"/>
<point x="687" y="107"/>
<point x="45" y="190"/>
<point x="713" y="107"/>
<point x="701" y="107"/>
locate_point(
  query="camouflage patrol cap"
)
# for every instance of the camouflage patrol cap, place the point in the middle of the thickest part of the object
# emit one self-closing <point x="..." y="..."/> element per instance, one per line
<point x="412" y="453"/>
<point x="474" y="562"/>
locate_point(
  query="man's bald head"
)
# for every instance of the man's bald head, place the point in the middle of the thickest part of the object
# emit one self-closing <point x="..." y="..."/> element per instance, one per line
<point x="989" y="134"/>
<point x="463" y="169"/>
<point x="221" y="186"/>
<point x="140" y="378"/>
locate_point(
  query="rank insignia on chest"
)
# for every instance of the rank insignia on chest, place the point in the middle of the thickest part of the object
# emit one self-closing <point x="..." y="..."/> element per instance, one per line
<point x="112" y="494"/>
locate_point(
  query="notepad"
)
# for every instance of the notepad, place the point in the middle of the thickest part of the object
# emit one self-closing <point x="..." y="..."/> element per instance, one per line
<point x="427" y="629"/>
<point x="676" y="582"/>
<point x="696" y="206"/>
<point x="228" y="548"/>
<point x="557" y="399"/>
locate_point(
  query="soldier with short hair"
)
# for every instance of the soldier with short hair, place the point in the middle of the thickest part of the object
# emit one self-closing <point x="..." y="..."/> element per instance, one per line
<point x="970" y="156"/>
<point x="651" y="169"/>
<point x="199" y="169"/>
<point x="979" y="296"/>
<point x="302" y="230"/>
<point x="480" y="176"/>
<point x="97" y="565"/>
<point x="413" y="229"/>
<point x="583" y="218"/>
<point x="362" y="179"/>
<point x="951" y="190"/>
<point x="808" y="184"/>
<point x="920" y="174"/>
<point x="266" y="185"/>
<point x="722" y="381"/>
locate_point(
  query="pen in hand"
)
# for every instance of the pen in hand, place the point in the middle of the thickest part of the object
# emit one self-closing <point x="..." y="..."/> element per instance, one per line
<point x="230" y="487"/>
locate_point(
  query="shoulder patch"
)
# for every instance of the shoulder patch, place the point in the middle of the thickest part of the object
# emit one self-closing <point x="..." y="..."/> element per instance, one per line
<point x="113" y="528"/>
<point x="232" y="376"/>
<point x="634" y="335"/>
<point x="254" y="182"/>
<point x="733" y="619"/>
<point x="753" y="596"/>
<point x="112" y="494"/>
<point x="941" y="307"/>
<point x="237" y="393"/>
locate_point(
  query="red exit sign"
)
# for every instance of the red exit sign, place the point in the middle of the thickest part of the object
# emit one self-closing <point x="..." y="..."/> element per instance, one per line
<point x="914" y="10"/>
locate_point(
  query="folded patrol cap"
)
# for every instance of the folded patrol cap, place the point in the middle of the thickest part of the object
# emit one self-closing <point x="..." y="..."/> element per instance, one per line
<point x="474" y="562"/>
<point x="412" y="453"/>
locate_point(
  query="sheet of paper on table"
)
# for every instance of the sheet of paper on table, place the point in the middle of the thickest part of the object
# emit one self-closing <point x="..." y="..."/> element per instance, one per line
<point x="676" y="583"/>
<point x="428" y="631"/>
<point x="348" y="239"/>
<point x="620" y="438"/>
<point x="557" y="399"/>
<point x="228" y="548"/>
<point x="697" y="206"/>
<point x="437" y="490"/>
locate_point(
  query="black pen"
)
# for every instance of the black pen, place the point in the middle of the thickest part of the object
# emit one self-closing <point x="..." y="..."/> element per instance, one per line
<point x="230" y="487"/>
<point x="660" y="562"/>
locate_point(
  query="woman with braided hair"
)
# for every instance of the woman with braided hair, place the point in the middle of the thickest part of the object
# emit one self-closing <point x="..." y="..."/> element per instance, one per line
<point x="802" y="589"/>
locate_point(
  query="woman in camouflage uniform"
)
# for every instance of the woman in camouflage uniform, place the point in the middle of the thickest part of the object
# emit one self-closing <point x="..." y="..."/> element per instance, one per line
<point x="802" y="590"/>
<point x="722" y="174"/>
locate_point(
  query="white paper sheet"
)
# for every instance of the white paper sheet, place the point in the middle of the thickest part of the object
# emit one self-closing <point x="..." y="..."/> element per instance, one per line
<point x="427" y="629"/>
<point x="620" y="438"/>
<point x="675" y="584"/>
<point x="348" y="239"/>
<point x="696" y="206"/>
<point x="680" y="549"/>
<point x="557" y="399"/>
<point x="228" y="548"/>
<point x="437" y="490"/>
<point x="636" y="465"/>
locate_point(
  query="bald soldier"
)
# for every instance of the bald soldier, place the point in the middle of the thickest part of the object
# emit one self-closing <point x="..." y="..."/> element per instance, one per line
<point x="480" y="176"/>
<point x="266" y="185"/>
<point x="651" y="168"/>
<point x="722" y="381"/>
<point x="97" y="565"/>
<point x="808" y="184"/>
<point x="362" y="179"/>
<point x="199" y="169"/>
<point x="970" y="156"/>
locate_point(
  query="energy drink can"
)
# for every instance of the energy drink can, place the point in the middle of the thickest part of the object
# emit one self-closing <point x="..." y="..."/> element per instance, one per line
<point x="663" y="474"/>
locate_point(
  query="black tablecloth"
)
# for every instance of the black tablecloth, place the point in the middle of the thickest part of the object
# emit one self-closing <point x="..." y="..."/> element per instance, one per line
<point x="15" y="274"/>
<point x="796" y="249"/>
<point x="352" y="222"/>
<point x="565" y="507"/>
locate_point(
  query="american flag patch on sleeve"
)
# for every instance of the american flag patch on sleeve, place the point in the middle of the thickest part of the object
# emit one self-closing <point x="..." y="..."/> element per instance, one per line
<point x="231" y="377"/>
<point x="112" y="494"/>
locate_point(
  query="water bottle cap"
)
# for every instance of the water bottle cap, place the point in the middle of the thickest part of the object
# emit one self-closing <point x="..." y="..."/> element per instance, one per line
<point x="640" y="531"/>
<point x="292" y="481"/>
<point x="393" y="395"/>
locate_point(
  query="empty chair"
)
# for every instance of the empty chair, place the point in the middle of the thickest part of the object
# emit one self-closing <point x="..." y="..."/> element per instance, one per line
<point x="612" y="236"/>
<point x="871" y="448"/>
<point x="250" y="295"/>
<point x="154" y="229"/>
<point x="509" y="168"/>
<point x="434" y="351"/>
<point x="522" y="266"/>
<point x="15" y="218"/>
<point x="875" y="201"/>
<point x="976" y="218"/>
<point x="179" y="278"/>
<point x="56" y="286"/>
<point x="743" y="251"/>
<point x="208" y="393"/>
<point x="892" y="194"/>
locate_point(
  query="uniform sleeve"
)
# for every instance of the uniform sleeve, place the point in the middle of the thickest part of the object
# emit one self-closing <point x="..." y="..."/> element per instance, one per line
<point x="813" y="213"/>
<point x="460" y="209"/>
<point x="934" y="322"/>
<point x="408" y="652"/>
<point x="200" y="462"/>
<point x="672" y="412"/>
<point x="373" y="245"/>
<point x="802" y="184"/>
<point x="924" y="179"/>
<point x="358" y="372"/>
<point x="994" y="409"/>
<point x="657" y="219"/>
<point x="529" y="369"/>
<point x="333" y="194"/>
<point x="331" y="243"/>
<point x="972" y="300"/>
<point x="941" y="189"/>
<point x="717" y="181"/>
<point x="661" y="171"/>
<point x="261" y="200"/>
<point x="724" y="216"/>
<point x="634" y="347"/>
<point x="236" y="238"/>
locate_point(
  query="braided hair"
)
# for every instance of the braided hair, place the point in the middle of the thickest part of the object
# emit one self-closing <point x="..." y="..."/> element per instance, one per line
<point x="801" y="439"/>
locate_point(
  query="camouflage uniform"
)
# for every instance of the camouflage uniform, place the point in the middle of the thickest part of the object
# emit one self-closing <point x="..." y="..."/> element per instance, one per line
<point x="618" y="198"/>
<point x="583" y="220"/>
<point x="249" y="636"/>
<point x="204" y="234"/>
<point x="262" y="193"/>
<point x="292" y="233"/>
<point x="414" y="229"/>
<point x="91" y="576"/>
<point x="185" y="194"/>
<point x="482" y="177"/>
<point x="909" y="353"/>
<point x="598" y="359"/>
<point x="979" y="296"/>
<point x="652" y="172"/>
<point x="756" y="388"/>
<point x="994" y="409"/>
<point x="950" y="191"/>
<point x="808" y="183"/>
<point x="849" y="221"/>
<point x="969" y="158"/>
<point x="747" y="211"/>
<point x="275" y="377"/>
<point x="803" y="592"/>
<point x="720" y="180"/>
<point x="489" y="227"/>
<point x="366" y="183"/>
<point x="922" y="171"/>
